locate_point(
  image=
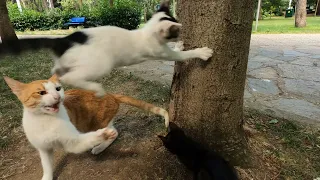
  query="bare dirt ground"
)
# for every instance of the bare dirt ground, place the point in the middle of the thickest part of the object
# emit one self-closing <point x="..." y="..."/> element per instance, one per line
<point x="138" y="155"/>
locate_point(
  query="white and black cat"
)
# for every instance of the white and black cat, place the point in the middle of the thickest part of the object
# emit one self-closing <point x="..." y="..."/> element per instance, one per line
<point x="89" y="54"/>
<point x="205" y="164"/>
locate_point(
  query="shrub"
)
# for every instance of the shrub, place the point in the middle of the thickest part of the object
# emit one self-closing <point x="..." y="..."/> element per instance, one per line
<point x="121" y="15"/>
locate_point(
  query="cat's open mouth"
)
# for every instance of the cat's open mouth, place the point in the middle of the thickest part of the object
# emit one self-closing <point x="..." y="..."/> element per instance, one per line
<point x="53" y="108"/>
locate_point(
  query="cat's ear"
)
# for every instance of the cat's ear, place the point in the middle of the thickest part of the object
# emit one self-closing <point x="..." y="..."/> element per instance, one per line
<point x="15" y="86"/>
<point x="163" y="139"/>
<point x="173" y="126"/>
<point x="170" y="30"/>
<point x="164" y="7"/>
<point x="54" y="78"/>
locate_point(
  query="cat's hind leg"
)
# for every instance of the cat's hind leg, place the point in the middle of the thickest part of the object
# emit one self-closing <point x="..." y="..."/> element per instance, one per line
<point x="101" y="147"/>
<point x="79" y="79"/>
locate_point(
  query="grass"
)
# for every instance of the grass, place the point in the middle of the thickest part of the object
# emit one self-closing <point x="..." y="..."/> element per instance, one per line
<point x="282" y="25"/>
<point x="284" y="149"/>
<point x="49" y="32"/>
<point x="293" y="146"/>
<point x="275" y="25"/>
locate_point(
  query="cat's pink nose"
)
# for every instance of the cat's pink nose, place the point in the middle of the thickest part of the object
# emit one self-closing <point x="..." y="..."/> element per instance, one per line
<point x="56" y="98"/>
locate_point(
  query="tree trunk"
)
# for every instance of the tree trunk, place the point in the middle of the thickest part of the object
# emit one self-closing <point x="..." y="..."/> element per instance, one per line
<point x="145" y="12"/>
<point x="111" y="3"/>
<point x="51" y="4"/>
<point x="260" y="12"/>
<point x="80" y="4"/>
<point x="318" y="8"/>
<point x="207" y="97"/>
<point x="301" y="13"/>
<point x="45" y="5"/>
<point x="6" y="28"/>
<point x="23" y="3"/>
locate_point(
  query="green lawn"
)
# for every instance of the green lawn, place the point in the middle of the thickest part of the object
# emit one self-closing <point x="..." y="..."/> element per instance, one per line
<point x="275" y="25"/>
<point x="281" y="25"/>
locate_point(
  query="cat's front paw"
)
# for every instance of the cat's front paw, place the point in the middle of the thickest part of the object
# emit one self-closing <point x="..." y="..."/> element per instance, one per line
<point x="179" y="46"/>
<point x="204" y="53"/>
<point x="108" y="133"/>
<point x="98" y="149"/>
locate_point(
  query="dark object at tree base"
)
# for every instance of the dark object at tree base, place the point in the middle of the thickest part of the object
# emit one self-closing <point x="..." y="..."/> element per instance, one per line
<point x="206" y="165"/>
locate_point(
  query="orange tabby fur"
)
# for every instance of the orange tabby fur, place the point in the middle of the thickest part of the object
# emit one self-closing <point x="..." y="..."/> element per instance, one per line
<point x="89" y="113"/>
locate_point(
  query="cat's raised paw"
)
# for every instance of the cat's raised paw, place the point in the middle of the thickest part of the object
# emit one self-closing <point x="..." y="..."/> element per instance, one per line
<point x="204" y="53"/>
<point x="179" y="46"/>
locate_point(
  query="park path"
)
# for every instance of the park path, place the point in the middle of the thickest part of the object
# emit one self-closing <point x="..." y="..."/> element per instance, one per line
<point x="283" y="76"/>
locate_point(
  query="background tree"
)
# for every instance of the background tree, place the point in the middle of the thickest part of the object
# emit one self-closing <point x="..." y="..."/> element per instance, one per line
<point x="6" y="30"/>
<point x="318" y="8"/>
<point x="207" y="97"/>
<point x="301" y="13"/>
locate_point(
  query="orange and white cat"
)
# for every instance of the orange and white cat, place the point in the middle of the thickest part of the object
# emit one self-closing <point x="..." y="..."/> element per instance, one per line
<point x="88" y="112"/>
<point x="46" y="122"/>
<point x="49" y="112"/>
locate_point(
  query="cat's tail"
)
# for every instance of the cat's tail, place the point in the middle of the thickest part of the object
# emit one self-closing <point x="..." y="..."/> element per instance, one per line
<point x="58" y="45"/>
<point x="143" y="105"/>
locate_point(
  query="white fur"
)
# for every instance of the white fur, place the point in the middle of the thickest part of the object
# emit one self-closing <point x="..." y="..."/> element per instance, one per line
<point x="109" y="47"/>
<point x="47" y="130"/>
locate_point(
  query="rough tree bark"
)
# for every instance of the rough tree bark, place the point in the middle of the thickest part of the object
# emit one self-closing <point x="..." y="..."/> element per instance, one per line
<point x="318" y="8"/>
<point x="207" y="97"/>
<point x="6" y="28"/>
<point x="111" y="3"/>
<point x="301" y="13"/>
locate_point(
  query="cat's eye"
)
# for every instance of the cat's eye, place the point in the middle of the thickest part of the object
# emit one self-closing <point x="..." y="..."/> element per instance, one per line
<point x="58" y="88"/>
<point x="42" y="92"/>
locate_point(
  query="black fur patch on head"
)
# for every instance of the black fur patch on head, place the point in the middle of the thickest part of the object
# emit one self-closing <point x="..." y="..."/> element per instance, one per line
<point x="168" y="19"/>
<point x="173" y="32"/>
<point x="165" y="7"/>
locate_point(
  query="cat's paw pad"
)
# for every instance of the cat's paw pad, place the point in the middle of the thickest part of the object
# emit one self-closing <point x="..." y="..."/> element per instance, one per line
<point x="179" y="46"/>
<point x="109" y="133"/>
<point x="204" y="53"/>
<point x="98" y="149"/>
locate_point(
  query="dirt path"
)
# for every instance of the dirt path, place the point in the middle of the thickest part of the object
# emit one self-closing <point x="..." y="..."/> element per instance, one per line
<point x="137" y="154"/>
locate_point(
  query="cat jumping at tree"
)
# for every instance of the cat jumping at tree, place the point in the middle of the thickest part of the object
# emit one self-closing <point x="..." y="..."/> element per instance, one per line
<point x="89" y="54"/>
